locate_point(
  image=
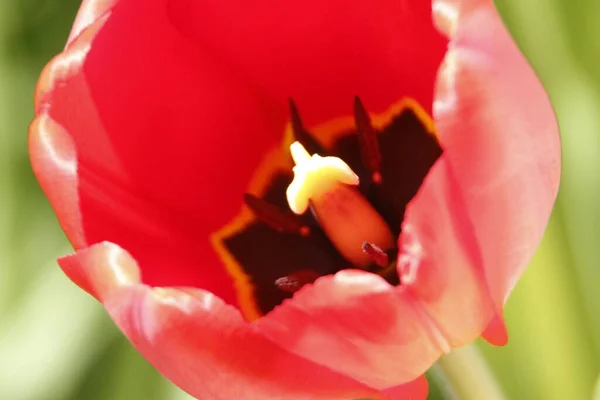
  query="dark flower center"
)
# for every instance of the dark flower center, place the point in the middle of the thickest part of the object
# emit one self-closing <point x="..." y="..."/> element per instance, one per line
<point x="280" y="251"/>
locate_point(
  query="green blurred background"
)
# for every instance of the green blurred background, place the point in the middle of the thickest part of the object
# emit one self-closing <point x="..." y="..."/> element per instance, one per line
<point x="56" y="343"/>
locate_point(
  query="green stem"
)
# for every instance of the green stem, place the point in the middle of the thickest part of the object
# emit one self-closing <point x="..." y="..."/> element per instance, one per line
<point x="463" y="374"/>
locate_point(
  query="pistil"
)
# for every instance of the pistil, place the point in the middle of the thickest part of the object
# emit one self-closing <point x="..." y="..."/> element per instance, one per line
<point x="328" y="186"/>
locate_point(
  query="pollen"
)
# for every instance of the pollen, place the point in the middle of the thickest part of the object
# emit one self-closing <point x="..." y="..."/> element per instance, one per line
<point x="314" y="176"/>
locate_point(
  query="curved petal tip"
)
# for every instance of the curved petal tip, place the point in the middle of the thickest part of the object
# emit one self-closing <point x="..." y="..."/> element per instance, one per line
<point x="89" y="12"/>
<point x="196" y="340"/>
<point x="356" y="323"/>
<point x="53" y="159"/>
<point x="495" y="333"/>
<point x="101" y="269"/>
<point x="413" y="390"/>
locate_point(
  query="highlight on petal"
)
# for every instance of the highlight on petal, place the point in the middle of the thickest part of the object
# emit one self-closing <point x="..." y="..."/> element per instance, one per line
<point x="101" y="270"/>
<point x="200" y="343"/>
<point x="53" y="159"/>
<point x="65" y="68"/>
<point x="53" y="151"/>
<point x="89" y="12"/>
<point x="356" y="323"/>
<point x="500" y="139"/>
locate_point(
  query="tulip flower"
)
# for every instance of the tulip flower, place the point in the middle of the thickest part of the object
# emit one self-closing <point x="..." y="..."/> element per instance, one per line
<point x="298" y="199"/>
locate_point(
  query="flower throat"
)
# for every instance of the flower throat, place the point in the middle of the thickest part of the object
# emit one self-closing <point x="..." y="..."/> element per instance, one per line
<point x="356" y="187"/>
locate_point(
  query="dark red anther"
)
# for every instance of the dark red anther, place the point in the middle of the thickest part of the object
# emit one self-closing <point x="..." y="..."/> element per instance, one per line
<point x="301" y="134"/>
<point x="294" y="281"/>
<point x="376" y="254"/>
<point x="367" y="138"/>
<point x="276" y="218"/>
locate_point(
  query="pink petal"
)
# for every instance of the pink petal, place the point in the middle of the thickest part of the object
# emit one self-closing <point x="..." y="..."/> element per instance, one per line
<point x="413" y="390"/>
<point x="200" y="343"/>
<point x="440" y="263"/>
<point x="500" y="137"/>
<point x="356" y="323"/>
<point x="495" y="332"/>
<point x="52" y="154"/>
<point x="52" y="149"/>
<point x="89" y="12"/>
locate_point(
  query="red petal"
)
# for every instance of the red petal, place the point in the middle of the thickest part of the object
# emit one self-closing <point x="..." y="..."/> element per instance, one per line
<point x="500" y="137"/>
<point x="112" y="203"/>
<point x="168" y="131"/>
<point x="322" y="53"/>
<point x="356" y="323"/>
<point x="188" y="130"/>
<point x="197" y="341"/>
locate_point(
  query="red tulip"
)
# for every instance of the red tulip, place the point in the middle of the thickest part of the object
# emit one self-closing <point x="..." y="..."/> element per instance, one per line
<point x="160" y="115"/>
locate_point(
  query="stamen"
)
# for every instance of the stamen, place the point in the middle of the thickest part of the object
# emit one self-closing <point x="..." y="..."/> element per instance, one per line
<point x="296" y="280"/>
<point x="375" y="253"/>
<point x="274" y="217"/>
<point x="300" y="133"/>
<point x="367" y="137"/>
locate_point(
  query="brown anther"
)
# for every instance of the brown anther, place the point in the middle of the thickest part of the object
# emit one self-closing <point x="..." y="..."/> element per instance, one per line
<point x="296" y="280"/>
<point x="273" y="216"/>
<point x="377" y="255"/>
<point x="367" y="138"/>
<point x="301" y="134"/>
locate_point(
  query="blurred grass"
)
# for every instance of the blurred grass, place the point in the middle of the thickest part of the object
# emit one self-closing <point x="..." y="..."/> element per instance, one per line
<point x="57" y="344"/>
<point x="554" y="313"/>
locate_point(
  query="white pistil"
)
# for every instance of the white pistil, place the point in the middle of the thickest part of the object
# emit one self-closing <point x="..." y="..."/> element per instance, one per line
<point x="314" y="176"/>
<point x="327" y="184"/>
<point x="299" y="153"/>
